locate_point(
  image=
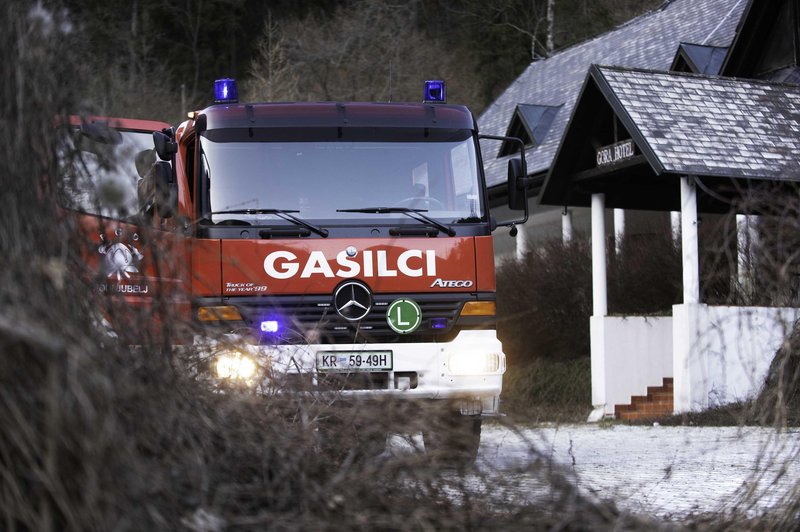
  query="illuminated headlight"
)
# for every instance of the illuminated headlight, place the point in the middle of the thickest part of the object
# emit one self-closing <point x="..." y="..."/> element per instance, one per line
<point x="474" y="363"/>
<point x="235" y="366"/>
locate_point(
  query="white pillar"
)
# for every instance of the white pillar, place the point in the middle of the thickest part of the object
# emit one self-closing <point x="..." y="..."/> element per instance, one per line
<point x="599" y="287"/>
<point x="689" y="244"/>
<point x="746" y="238"/>
<point x="597" y="325"/>
<point x="619" y="229"/>
<point x="566" y="226"/>
<point x="521" y="242"/>
<point x="675" y="224"/>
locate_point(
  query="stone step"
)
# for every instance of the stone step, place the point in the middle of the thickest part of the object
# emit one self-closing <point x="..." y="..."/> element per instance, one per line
<point x="658" y="402"/>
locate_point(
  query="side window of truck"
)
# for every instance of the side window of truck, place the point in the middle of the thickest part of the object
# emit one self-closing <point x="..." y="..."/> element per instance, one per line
<point x="101" y="167"/>
<point x="463" y="168"/>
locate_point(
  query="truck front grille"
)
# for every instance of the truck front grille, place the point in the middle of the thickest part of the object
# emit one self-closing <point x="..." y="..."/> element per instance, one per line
<point x="313" y="319"/>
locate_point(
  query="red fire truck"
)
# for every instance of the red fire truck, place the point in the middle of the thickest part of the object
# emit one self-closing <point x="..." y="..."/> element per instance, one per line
<point x="343" y="245"/>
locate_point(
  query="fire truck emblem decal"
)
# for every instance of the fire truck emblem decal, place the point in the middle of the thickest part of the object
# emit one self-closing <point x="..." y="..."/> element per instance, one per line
<point x="352" y="301"/>
<point x="120" y="259"/>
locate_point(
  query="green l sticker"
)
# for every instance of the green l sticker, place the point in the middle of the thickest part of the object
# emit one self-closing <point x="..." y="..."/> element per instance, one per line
<point x="404" y="316"/>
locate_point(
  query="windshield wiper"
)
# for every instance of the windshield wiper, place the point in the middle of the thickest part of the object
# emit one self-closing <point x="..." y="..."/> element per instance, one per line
<point x="281" y="213"/>
<point x="416" y="214"/>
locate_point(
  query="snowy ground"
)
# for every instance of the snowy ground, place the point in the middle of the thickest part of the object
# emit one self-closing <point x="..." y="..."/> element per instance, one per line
<point x="664" y="471"/>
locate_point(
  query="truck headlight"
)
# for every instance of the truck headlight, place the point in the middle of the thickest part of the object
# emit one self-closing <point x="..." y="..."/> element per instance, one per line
<point x="467" y="363"/>
<point x="234" y="365"/>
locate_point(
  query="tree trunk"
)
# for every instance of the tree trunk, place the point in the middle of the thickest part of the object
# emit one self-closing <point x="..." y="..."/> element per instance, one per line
<point x="551" y="4"/>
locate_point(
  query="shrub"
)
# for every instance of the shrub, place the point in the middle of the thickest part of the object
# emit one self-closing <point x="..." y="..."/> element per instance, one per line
<point x="645" y="278"/>
<point x="549" y="390"/>
<point x="544" y="301"/>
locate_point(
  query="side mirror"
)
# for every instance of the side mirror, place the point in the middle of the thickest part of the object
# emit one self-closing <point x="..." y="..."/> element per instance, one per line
<point x="165" y="145"/>
<point x="517" y="196"/>
<point x="518" y="183"/>
<point x="166" y="190"/>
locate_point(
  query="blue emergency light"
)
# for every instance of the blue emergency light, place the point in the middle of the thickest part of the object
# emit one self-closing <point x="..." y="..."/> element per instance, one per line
<point x="225" y="91"/>
<point x="270" y="326"/>
<point x="438" y="323"/>
<point x="434" y="92"/>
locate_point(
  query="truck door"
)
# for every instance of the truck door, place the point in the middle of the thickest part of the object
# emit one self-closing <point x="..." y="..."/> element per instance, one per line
<point x="126" y="253"/>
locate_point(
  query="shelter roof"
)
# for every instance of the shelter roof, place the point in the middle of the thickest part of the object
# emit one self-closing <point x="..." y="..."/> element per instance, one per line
<point x="725" y="129"/>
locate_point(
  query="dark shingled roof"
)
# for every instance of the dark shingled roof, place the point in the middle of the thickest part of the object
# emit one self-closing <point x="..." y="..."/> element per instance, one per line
<point x="719" y="129"/>
<point x="712" y="126"/>
<point x="649" y="41"/>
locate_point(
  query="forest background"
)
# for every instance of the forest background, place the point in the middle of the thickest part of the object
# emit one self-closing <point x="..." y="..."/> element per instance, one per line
<point x="156" y="59"/>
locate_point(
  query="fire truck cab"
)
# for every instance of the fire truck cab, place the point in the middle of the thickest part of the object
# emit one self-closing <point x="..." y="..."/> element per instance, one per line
<point x="348" y="245"/>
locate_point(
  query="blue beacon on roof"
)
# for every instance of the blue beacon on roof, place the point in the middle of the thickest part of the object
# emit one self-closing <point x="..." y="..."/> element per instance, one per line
<point x="434" y="92"/>
<point x="225" y="91"/>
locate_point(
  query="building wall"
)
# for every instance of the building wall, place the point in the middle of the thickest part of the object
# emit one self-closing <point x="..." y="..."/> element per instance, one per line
<point x="717" y="355"/>
<point x="722" y="354"/>
<point x="636" y="353"/>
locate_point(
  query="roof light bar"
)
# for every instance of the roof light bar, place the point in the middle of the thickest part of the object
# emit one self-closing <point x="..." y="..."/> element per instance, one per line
<point x="434" y="92"/>
<point x="225" y="91"/>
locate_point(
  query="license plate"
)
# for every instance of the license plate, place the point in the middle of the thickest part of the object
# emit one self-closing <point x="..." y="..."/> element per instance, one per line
<point x="344" y="361"/>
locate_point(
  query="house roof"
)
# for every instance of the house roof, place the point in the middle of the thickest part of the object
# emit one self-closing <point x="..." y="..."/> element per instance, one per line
<point x="649" y="41"/>
<point x="682" y="124"/>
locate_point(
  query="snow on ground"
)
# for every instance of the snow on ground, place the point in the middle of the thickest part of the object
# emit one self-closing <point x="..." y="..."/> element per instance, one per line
<point x="665" y="471"/>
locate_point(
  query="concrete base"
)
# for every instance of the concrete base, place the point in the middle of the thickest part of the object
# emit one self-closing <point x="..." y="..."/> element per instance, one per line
<point x="597" y="414"/>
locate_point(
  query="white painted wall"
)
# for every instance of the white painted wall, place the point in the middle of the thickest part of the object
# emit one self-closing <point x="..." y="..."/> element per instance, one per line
<point x="722" y="354"/>
<point x="716" y="355"/>
<point x="637" y="353"/>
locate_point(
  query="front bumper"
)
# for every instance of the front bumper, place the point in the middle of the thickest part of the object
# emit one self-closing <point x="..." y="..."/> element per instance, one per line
<point x="419" y="370"/>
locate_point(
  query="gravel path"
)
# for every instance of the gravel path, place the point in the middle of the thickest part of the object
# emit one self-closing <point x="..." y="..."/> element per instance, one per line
<point x="665" y="471"/>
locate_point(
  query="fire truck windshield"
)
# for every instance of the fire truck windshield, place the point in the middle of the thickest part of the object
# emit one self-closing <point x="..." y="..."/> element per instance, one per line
<point x="324" y="173"/>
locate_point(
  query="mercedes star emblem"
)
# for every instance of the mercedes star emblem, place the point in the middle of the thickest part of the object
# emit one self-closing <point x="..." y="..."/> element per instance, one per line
<point x="352" y="301"/>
